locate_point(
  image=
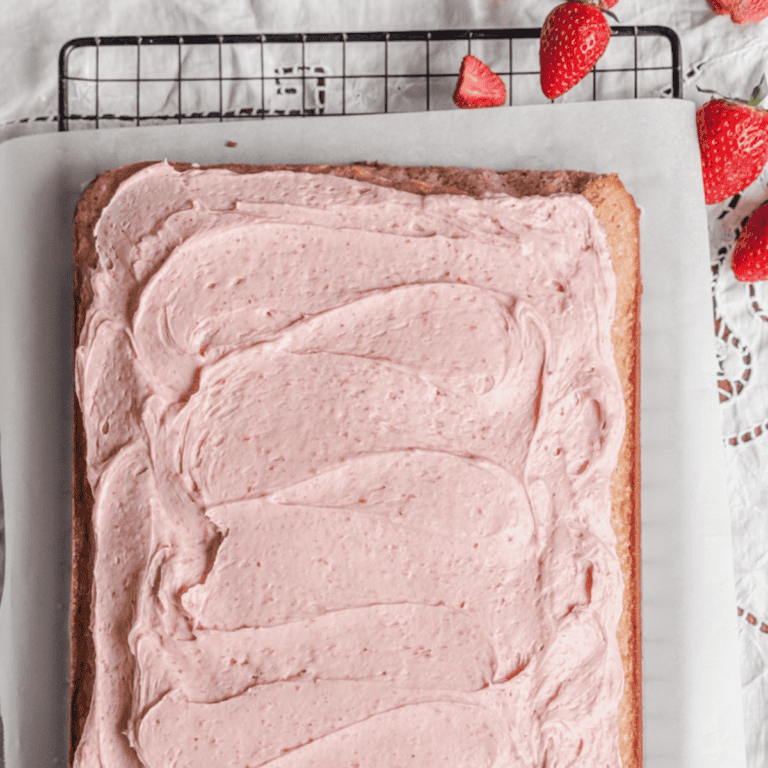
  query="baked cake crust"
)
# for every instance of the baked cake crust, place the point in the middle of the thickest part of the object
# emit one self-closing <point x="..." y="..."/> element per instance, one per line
<point x="614" y="208"/>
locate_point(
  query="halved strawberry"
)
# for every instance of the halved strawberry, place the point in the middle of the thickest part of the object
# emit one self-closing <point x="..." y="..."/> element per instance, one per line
<point x="574" y="36"/>
<point x="742" y="11"/>
<point x="733" y="139"/>
<point x="478" y="86"/>
<point x="750" y="256"/>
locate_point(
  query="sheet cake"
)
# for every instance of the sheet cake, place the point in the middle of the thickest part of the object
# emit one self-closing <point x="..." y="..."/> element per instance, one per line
<point x="357" y="476"/>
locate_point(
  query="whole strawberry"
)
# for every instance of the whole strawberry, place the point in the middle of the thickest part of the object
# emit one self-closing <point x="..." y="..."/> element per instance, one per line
<point x="742" y="11"/>
<point x="478" y="86"/>
<point x="733" y="139"/>
<point x="574" y="36"/>
<point x="750" y="257"/>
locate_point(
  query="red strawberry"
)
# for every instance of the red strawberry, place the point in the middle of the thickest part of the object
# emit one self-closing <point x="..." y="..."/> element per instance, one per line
<point x="478" y="86"/>
<point x="574" y="36"/>
<point x="742" y="11"/>
<point x="750" y="257"/>
<point x="733" y="139"/>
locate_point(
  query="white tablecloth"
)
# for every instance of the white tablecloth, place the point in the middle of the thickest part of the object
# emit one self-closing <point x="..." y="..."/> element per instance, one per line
<point x="716" y="55"/>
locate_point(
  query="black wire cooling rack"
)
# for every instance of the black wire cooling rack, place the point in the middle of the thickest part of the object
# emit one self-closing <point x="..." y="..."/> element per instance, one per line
<point x="114" y="81"/>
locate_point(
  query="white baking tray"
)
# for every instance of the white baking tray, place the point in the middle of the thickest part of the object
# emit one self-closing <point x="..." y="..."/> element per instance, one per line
<point x="692" y="704"/>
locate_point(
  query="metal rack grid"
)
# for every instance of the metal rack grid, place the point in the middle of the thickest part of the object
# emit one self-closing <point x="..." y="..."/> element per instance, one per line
<point x="272" y="75"/>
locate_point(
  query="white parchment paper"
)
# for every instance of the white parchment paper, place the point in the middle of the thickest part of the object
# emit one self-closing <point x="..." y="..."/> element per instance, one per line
<point x="692" y="700"/>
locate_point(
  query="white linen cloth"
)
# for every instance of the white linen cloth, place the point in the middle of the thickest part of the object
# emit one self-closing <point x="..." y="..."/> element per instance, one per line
<point x="717" y="55"/>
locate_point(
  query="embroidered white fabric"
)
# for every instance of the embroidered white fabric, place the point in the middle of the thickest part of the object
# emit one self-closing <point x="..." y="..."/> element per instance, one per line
<point x="741" y="328"/>
<point x="717" y="55"/>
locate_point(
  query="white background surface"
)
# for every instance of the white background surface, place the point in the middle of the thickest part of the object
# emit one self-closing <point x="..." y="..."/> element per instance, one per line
<point x="716" y="55"/>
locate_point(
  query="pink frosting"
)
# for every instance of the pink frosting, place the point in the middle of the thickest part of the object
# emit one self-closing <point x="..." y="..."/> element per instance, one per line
<point x="351" y="451"/>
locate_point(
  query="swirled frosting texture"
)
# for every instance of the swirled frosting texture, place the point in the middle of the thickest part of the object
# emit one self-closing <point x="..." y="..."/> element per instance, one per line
<point x="350" y="450"/>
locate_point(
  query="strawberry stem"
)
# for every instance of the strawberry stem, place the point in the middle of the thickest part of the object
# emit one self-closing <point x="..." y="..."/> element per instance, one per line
<point x="759" y="92"/>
